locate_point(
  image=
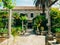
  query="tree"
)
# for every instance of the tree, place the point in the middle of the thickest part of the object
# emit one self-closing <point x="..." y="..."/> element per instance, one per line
<point x="44" y="4"/>
<point x="39" y="22"/>
<point x="40" y="4"/>
<point x="23" y="18"/>
<point x="9" y="5"/>
<point x="17" y="21"/>
<point x="55" y="18"/>
<point x="3" y="18"/>
<point x="16" y="15"/>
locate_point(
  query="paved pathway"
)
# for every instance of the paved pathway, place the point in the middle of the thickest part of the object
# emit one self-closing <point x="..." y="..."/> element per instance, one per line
<point x="29" y="40"/>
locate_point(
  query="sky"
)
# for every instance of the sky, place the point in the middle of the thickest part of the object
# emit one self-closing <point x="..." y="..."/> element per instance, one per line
<point x="24" y="3"/>
<point x="57" y="4"/>
<point x="30" y="3"/>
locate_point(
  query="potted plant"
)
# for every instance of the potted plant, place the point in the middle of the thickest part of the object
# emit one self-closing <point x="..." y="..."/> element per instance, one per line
<point x="58" y="35"/>
<point x="36" y="25"/>
<point x="39" y="23"/>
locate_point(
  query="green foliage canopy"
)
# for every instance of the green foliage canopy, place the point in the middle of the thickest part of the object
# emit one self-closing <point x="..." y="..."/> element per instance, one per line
<point x="8" y="4"/>
<point x="23" y="18"/>
<point x="38" y="19"/>
<point x="55" y="19"/>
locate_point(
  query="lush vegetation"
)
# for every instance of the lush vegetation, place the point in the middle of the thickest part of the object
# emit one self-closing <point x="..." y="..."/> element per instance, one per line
<point x="16" y="31"/>
<point x="9" y="4"/>
<point x="3" y="31"/>
<point x="18" y="23"/>
<point x="55" y="19"/>
<point x="39" y="23"/>
<point x="57" y="30"/>
<point x="3" y="22"/>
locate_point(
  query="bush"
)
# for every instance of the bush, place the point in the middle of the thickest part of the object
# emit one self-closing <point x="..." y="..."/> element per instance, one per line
<point x="38" y="22"/>
<point x="57" y="29"/>
<point x="16" y="31"/>
<point x="55" y="19"/>
<point x="4" y="31"/>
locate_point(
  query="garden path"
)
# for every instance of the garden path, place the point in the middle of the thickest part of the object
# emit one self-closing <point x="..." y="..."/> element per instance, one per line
<point x="29" y="39"/>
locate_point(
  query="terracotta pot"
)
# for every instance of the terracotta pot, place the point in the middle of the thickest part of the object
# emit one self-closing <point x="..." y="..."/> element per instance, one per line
<point x="58" y="37"/>
<point x="2" y="39"/>
<point x="50" y="37"/>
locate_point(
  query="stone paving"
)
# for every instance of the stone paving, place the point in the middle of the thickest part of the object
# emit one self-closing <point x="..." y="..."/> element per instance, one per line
<point x="29" y="40"/>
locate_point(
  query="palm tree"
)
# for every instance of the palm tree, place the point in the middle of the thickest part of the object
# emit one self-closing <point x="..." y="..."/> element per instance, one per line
<point x="9" y="4"/>
<point x="45" y="5"/>
<point x="37" y="22"/>
<point x="16" y="15"/>
<point x="23" y="18"/>
<point x="40" y="4"/>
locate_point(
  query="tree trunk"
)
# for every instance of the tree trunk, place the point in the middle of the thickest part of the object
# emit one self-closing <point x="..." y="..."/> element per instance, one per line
<point x="22" y="25"/>
<point x="43" y="7"/>
<point x="49" y="20"/>
<point x="37" y="31"/>
<point x="23" y="28"/>
<point x="9" y="25"/>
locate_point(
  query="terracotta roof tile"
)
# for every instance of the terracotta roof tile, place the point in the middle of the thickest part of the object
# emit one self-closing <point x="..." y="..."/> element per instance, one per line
<point x="26" y="8"/>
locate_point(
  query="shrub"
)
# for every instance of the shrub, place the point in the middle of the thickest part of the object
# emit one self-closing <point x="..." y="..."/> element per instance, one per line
<point x="55" y="19"/>
<point x="16" y="31"/>
<point x="57" y="29"/>
<point x="3" y="31"/>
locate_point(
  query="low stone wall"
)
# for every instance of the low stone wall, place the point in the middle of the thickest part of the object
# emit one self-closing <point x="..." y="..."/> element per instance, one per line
<point x="55" y="44"/>
<point x="7" y="41"/>
<point x="52" y="43"/>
